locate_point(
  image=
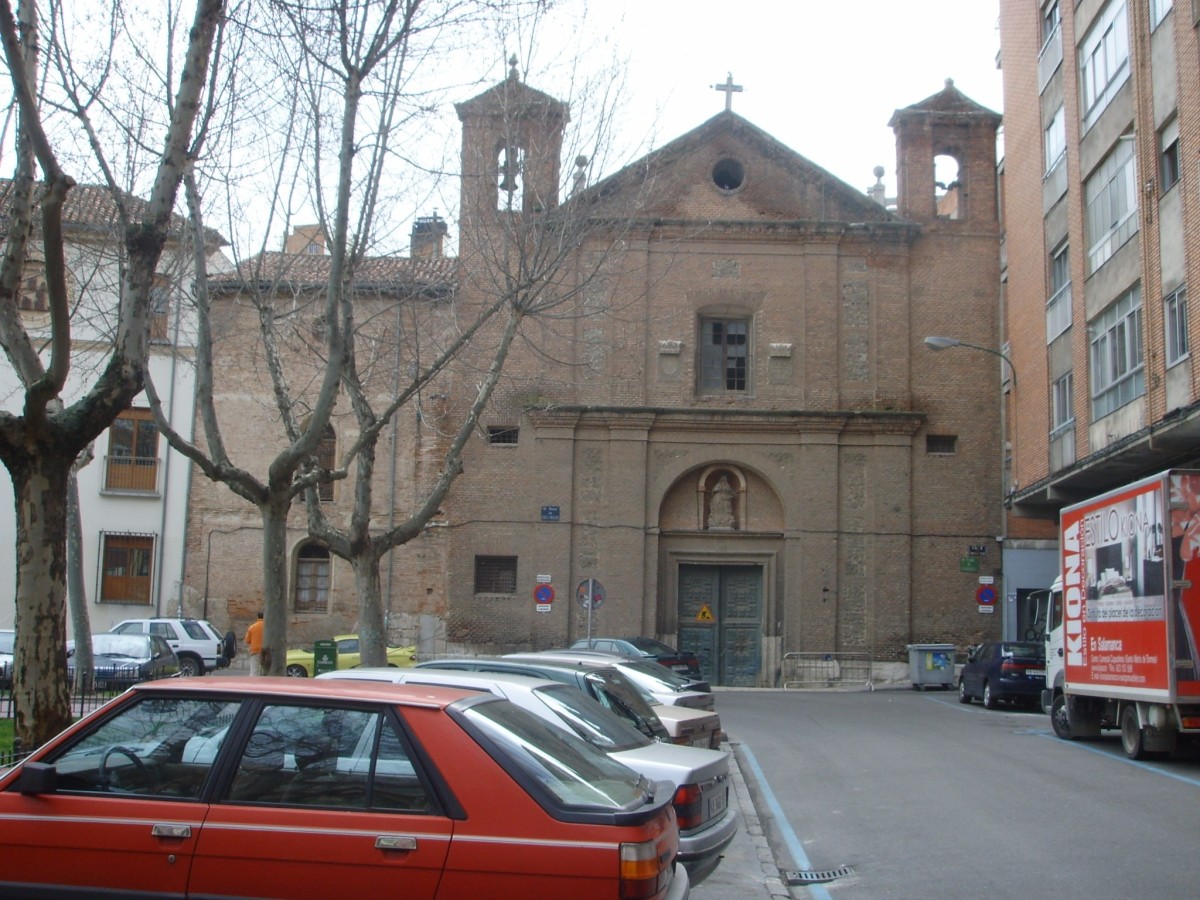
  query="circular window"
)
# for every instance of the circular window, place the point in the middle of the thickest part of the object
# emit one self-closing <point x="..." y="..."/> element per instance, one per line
<point x="728" y="174"/>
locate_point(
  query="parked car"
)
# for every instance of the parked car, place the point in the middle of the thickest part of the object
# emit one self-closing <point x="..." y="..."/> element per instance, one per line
<point x="686" y="724"/>
<point x="606" y="685"/>
<point x="121" y="660"/>
<point x="683" y="661"/>
<point x="301" y="664"/>
<point x="197" y="643"/>
<point x="274" y="787"/>
<point x="666" y="685"/>
<point x="705" y="827"/>
<point x="1004" y="671"/>
<point x="7" y="637"/>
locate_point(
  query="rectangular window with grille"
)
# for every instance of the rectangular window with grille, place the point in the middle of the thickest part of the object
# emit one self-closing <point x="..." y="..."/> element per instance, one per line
<point x="128" y="562"/>
<point x="312" y="579"/>
<point x="495" y="575"/>
<point x="724" y="354"/>
<point x="503" y="434"/>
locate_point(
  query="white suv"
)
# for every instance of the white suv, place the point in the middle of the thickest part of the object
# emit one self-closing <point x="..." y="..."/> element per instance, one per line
<point x="197" y="643"/>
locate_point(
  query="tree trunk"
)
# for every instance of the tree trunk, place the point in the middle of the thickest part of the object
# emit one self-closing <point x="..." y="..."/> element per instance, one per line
<point x="372" y="630"/>
<point x="76" y="592"/>
<point x="275" y="585"/>
<point x="42" y="704"/>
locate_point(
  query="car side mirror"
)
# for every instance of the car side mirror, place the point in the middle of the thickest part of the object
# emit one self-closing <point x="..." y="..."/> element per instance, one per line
<point x="37" y="778"/>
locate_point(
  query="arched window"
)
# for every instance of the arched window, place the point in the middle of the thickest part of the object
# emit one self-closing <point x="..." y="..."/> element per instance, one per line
<point x="948" y="188"/>
<point x="313" y="570"/>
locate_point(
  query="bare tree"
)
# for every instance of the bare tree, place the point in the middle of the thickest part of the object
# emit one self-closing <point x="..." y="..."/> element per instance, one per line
<point x="39" y="446"/>
<point x="351" y="71"/>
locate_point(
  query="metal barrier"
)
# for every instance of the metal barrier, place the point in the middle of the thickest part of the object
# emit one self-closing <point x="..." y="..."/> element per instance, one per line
<point x="827" y="670"/>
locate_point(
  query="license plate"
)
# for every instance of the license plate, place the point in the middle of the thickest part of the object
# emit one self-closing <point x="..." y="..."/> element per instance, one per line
<point x="718" y="802"/>
<point x="704" y="742"/>
<point x="1036" y="673"/>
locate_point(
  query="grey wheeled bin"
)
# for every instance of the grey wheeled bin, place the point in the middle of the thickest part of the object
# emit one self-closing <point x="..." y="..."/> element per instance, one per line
<point x="931" y="664"/>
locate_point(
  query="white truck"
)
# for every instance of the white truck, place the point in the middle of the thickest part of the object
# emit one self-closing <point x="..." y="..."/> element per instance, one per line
<point x="1122" y="620"/>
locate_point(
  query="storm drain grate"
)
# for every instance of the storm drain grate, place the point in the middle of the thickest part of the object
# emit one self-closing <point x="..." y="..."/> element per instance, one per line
<point x="815" y="876"/>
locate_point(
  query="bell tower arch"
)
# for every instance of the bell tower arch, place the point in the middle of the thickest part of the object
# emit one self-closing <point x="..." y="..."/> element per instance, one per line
<point x="952" y="127"/>
<point x="512" y="138"/>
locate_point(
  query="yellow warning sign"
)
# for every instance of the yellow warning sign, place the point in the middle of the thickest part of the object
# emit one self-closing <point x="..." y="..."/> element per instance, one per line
<point x="705" y="614"/>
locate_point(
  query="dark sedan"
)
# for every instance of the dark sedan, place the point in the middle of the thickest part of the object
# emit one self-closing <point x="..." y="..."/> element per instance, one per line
<point x="684" y="662"/>
<point x="1004" y="671"/>
<point x="119" y="660"/>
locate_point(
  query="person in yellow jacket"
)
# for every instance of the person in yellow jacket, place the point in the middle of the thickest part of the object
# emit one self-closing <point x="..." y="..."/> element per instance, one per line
<point x="254" y="643"/>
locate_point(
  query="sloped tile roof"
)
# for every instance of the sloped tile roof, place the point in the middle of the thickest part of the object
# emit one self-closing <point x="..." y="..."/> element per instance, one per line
<point x="310" y="271"/>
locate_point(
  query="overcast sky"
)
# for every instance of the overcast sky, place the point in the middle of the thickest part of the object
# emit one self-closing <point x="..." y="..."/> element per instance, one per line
<point x="822" y="77"/>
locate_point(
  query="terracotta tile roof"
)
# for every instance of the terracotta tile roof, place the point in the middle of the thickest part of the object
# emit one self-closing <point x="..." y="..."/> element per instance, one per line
<point x="310" y="271"/>
<point x="90" y="208"/>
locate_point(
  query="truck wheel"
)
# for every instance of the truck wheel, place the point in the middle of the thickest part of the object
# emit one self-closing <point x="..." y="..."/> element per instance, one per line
<point x="963" y="696"/>
<point x="989" y="699"/>
<point x="1058" y="717"/>
<point x="1131" y="733"/>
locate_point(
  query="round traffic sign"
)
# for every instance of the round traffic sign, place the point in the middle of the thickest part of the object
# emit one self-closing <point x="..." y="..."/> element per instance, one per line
<point x="596" y="600"/>
<point x="985" y="595"/>
<point x="544" y="593"/>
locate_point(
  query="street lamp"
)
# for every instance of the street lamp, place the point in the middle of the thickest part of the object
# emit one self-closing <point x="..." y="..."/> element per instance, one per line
<point x="935" y="342"/>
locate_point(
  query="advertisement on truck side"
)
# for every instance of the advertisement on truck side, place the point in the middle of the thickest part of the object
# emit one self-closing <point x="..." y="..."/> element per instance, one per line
<point x="1121" y="612"/>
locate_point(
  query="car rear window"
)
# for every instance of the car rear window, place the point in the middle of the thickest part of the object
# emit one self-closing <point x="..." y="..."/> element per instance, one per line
<point x="6" y="641"/>
<point x="590" y="720"/>
<point x="576" y="775"/>
<point x="1024" y="650"/>
<point x="196" y="631"/>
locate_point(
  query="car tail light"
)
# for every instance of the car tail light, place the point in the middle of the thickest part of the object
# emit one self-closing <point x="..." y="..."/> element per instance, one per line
<point x="646" y="866"/>
<point x="684" y="738"/>
<point x="689" y="806"/>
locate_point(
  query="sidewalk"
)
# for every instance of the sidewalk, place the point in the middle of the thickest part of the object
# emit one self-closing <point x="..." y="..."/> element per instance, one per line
<point x="748" y="870"/>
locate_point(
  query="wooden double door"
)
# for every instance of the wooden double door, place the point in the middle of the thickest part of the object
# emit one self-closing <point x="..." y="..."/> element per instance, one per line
<point x="720" y="620"/>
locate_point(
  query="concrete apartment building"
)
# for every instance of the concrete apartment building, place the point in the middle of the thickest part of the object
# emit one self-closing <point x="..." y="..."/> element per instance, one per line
<point x="1102" y="239"/>
<point x="747" y="445"/>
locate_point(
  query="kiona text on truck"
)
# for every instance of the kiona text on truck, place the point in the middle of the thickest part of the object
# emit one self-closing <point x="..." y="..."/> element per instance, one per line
<point x="1123" y="618"/>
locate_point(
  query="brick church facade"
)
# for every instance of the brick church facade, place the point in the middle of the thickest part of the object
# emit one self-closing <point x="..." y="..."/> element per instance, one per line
<point x="743" y="440"/>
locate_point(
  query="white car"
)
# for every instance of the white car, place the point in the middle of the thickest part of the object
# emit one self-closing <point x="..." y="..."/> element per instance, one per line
<point x="700" y="777"/>
<point x="199" y="646"/>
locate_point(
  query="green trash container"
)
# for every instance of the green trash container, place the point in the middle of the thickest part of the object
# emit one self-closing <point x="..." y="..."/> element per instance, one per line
<point x="931" y="664"/>
<point x="324" y="657"/>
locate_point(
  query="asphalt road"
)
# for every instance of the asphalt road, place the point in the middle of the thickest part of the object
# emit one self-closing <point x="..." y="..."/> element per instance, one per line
<point x="918" y="796"/>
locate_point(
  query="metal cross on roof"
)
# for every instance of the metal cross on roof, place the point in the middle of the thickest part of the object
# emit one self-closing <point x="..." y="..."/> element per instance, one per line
<point x="730" y="89"/>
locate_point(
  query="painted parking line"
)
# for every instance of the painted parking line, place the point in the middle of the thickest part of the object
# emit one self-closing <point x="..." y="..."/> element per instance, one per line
<point x="795" y="848"/>
<point x="1153" y="768"/>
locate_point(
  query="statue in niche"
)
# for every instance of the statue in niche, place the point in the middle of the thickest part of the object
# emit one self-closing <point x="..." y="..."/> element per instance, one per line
<point x="720" y="504"/>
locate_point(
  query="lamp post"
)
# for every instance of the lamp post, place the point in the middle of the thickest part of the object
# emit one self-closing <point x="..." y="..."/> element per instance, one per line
<point x="938" y="342"/>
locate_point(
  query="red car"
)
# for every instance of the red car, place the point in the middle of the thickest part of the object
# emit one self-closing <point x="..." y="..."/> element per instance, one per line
<point x="278" y="787"/>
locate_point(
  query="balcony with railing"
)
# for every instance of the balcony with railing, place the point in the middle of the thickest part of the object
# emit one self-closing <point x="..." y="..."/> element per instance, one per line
<point x="131" y="474"/>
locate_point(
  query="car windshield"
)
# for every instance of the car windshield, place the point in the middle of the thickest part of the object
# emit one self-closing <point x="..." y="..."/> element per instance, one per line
<point x="590" y="720"/>
<point x="124" y="645"/>
<point x="576" y="774"/>
<point x="1026" y="650"/>
<point x="6" y="642"/>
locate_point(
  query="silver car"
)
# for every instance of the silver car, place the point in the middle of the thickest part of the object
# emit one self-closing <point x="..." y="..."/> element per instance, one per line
<point x="707" y="823"/>
<point x="685" y="723"/>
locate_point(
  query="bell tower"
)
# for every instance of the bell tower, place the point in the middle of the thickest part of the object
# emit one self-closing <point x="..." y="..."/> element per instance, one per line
<point x="511" y="141"/>
<point x="947" y="126"/>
